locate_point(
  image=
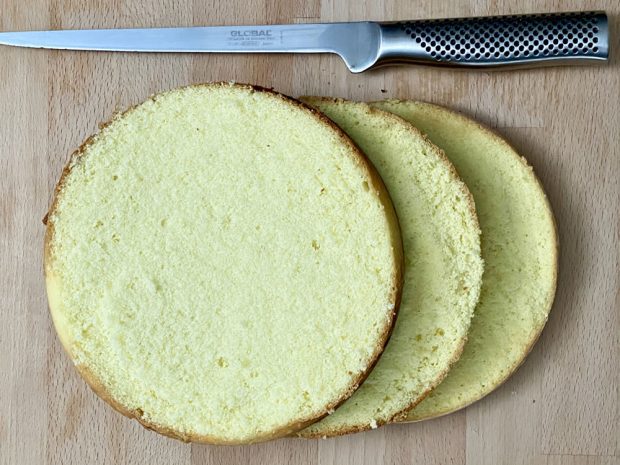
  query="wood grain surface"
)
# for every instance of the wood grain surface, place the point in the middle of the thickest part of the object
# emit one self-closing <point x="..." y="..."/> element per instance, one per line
<point x="561" y="408"/>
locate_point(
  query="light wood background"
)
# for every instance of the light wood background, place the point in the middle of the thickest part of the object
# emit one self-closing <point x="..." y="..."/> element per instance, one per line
<point x="561" y="408"/>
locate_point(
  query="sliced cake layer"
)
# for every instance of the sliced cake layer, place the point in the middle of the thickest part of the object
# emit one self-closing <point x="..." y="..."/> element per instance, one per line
<point x="222" y="264"/>
<point x="519" y="247"/>
<point x="443" y="267"/>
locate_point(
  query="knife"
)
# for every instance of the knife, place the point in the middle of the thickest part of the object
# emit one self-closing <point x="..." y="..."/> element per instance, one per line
<point x="484" y="42"/>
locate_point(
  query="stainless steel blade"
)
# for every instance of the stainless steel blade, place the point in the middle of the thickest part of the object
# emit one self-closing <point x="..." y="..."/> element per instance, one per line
<point x="488" y="42"/>
<point x="356" y="43"/>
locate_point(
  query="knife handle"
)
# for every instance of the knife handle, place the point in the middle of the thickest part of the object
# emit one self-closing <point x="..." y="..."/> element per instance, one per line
<point x="498" y="41"/>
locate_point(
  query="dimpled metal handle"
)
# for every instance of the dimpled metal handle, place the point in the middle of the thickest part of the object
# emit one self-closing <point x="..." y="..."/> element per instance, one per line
<point x="499" y="41"/>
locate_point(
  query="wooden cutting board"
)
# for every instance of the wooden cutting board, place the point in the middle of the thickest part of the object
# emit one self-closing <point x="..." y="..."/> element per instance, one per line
<point x="562" y="407"/>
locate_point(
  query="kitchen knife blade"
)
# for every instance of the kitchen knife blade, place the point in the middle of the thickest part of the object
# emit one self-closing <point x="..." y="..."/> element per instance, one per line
<point x="499" y="41"/>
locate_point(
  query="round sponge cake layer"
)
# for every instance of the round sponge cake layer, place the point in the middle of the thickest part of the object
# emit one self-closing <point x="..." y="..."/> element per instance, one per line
<point x="222" y="264"/>
<point x="443" y="267"/>
<point x="519" y="246"/>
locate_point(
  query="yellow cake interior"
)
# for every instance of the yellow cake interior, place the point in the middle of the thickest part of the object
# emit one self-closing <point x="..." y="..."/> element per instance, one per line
<point x="222" y="263"/>
<point x="443" y="266"/>
<point x="519" y="247"/>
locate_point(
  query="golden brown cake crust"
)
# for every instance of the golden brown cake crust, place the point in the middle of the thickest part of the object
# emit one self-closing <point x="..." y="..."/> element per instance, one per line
<point x="376" y="184"/>
<point x="401" y="415"/>
<point x="499" y="139"/>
